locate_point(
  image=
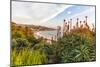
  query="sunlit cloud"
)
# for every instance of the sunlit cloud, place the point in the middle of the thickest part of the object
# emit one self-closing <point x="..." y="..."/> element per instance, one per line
<point x="56" y="13"/>
<point x="36" y="12"/>
<point x="69" y="12"/>
<point x="49" y="14"/>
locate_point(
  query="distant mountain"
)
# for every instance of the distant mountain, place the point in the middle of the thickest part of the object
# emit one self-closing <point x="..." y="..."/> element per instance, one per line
<point x="34" y="27"/>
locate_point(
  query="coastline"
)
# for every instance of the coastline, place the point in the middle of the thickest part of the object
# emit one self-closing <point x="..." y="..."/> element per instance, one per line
<point x="44" y="34"/>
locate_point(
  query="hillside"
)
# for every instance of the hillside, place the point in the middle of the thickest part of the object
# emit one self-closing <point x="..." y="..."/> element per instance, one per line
<point x="33" y="27"/>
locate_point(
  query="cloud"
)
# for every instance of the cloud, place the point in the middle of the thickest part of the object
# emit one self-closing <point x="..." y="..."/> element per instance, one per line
<point x="36" y="13"/>
<point x="59" y="10"/>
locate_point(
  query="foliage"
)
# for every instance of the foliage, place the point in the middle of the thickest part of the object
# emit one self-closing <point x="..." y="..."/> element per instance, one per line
<point x="32" y="40"/>
<point x="77" y="46"/>
<point x="16" y="34"/>
<point x="28" y="56"/>
<point x="20" y="42"/>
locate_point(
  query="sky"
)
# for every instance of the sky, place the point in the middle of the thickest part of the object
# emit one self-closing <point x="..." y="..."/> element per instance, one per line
<point x="49" y="14"/>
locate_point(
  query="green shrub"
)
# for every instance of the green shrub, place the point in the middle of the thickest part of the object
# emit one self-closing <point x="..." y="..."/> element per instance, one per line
<point x="14" y="43"/>
<point x="21" y="42"/>
<point x="74" y="48"/>
<point x="32" y="40"/>
<point x="17" y="34"/>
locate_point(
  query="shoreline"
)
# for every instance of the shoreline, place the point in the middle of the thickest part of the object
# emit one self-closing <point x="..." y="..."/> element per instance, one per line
<point x="39" y="35"/>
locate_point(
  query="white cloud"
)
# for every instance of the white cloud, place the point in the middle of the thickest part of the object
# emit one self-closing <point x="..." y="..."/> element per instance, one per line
<point x="36" y="13"/>
<point x="69" y="12"/>
<point x="59" y="10"/>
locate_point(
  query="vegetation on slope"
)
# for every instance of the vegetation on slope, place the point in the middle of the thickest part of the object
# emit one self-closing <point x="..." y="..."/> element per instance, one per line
<point x="78" y="46"/>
